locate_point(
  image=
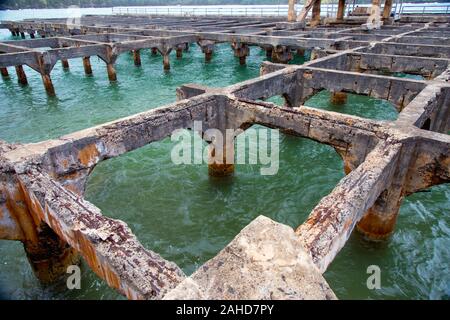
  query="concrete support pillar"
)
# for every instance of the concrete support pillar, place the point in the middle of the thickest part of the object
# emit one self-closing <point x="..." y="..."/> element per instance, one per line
<point x="137" y="57"/>
<point x="13" y="33"/>
<point x="281" y="54"/>
<point x="269" y="52"/>
<point x="291" y="11"/>
<point x="241" y="51"/>
<point x="338" y="97"/>
<point x="379" y="222"/>
<point x="4" y="72"/>
<point x="387" y="9"/>
<point x="207" y="48"/>
<point x="224" y="167"/>
<point x="341" y="10"/>
<point x="166" y="61"/>
<point x="48" y="84"/>
<point x="208" y="51"/>
<point x="315" y="20"/>
<point x="65" y="63"/>
<point x="186" y="47"/>
<point x="48" y="255"/>
<point x="300" y="52"/>
<point x="21" y="76"/>
<point x="154" y="51"/>
<point x="179" y="50"/>
<point x="22" y="35"/>
<point x="32" y="35"/>
<point x="87" y="65"/>
<point x="111" y="72"/>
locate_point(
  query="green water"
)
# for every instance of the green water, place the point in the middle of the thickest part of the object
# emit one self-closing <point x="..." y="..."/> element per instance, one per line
<point x="187" y="216"/>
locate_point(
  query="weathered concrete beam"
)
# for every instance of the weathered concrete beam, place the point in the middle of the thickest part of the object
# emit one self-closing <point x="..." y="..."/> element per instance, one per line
<point x="75" y="52"/>
<point x="190" y="90"/>
<point x="72" y="157"/>
<point x="430" y="164"/>
<point x="423" y="106"/>
<point x="439" y="40"/>
<point x="351" y="136"/>
<point x="281" y="82"/>
<point x="34" y="44"/>
<point x="268" y="40"/>
<point x="367" y="62"/>
<point x="404" y="49"/>
<point x="331" y="222"/>
<point x="107" y="245"/>
<point x="18" y="58"/>
<point x="396" y="90"/>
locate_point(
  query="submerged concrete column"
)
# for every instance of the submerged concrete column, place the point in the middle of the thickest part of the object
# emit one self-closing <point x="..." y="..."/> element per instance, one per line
<point x="165" y="52"/>
<point x="4" y="72"/>
<point x="341" y="10"/>
<point x="179" y="50"/>
<point x="208" y="51"/>
<point x="221" y="162"/>
<point x="48" y="84"/>
<point x="137" y="57"/>
<point x="281" y="54"/>
<point x="338" y="97"/>
<point x="111" y="72"/>
<point x="32" y="35"/>
<point x="300" y="52"/>
<point x="87" y="65"/>
<point x="379" y="221"/>
<point x="186" y="47"/>
<point x="241" y="51"/>
<point x="315" y="20"/>
<point x="154" y="51"/>
<point x="65" y="63"/>
<point x="48" y="255"/>
<point x="207" y="48"/>
<point x="21" y="76"/>
<point x="166" y="61"/>
<point x="22" y="35"/>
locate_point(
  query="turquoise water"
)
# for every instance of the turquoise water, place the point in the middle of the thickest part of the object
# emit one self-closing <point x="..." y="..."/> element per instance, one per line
<point x="182" y="213"/>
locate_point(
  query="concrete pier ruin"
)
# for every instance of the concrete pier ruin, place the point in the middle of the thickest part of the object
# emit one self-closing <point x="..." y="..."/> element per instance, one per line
<point x="42" y="184"/>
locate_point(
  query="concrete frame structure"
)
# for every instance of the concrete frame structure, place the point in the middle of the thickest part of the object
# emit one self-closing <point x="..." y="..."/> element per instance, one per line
<point x="42" y="184"/>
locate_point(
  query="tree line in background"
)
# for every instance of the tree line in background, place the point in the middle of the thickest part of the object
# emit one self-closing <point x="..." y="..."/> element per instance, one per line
<point x="28" y="4"/>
